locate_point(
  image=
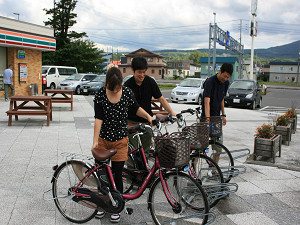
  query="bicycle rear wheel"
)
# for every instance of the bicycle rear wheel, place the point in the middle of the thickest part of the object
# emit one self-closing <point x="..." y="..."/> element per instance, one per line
<point x="65" y="179"/>
<point x="225" y="161"/>
<point x="208" y="174"/>
<point x="191" y="206"/>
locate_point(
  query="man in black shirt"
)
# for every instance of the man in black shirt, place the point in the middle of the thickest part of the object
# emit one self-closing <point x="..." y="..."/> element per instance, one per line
<point x="215" y="89"/>
<point x="144" y="88"/>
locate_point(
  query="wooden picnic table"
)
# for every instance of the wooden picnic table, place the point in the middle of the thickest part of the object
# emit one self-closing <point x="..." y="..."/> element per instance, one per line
<point x="65" y="96"/>
<point x="157" y="108"/>
<point x="43" y="107"/>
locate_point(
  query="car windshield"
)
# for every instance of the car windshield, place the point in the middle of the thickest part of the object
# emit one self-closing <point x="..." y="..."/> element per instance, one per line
<point x="242" y="85"/>
<point x="45" y="69"/>
<point x="126" y="78"/>
<point x="99" y="79"/>
<point x="75" y="77"/>
<point x="190" y="83"/>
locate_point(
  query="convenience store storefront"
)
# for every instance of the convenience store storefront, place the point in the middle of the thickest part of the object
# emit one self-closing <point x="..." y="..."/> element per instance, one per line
<point x="21" y="44"/>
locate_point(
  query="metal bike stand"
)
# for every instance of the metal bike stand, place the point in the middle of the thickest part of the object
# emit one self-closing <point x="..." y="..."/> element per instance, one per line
<point x="218" y="191"/>
<point x="233" y="171"/>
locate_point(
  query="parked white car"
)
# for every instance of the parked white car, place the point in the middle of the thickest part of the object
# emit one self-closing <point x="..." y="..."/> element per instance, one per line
<point x="190" y="90"/>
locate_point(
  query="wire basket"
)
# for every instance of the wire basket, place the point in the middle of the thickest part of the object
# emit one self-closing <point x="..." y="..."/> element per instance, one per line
<point x="199" y="135"/>
<point x="173" y="151"/>
<point x="215" y="126"/>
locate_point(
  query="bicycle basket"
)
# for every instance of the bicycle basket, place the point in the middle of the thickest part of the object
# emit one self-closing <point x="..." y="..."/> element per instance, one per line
<point x="173" y="151"/>
<point x="215" y="126"/>
<point x="199" y="134"/>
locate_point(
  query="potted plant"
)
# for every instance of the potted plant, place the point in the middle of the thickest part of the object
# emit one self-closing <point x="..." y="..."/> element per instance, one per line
<point x="293" y="116"/>
<point x="283" y="127"/>
<point x="266" y="142"/>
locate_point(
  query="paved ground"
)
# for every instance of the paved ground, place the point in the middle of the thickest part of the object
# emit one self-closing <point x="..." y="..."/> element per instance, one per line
<point x="268" y="193"/>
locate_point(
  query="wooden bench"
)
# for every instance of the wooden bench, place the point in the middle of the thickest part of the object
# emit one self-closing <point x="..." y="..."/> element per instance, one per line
<point x="157" y="108"/>
<point x="67" y="96"/>
<point x="43" y="108"/>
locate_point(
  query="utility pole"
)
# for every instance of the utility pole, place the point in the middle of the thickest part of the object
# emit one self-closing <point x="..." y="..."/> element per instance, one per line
<point x="297" y="78"/>
<point x="214" y="51"/>
<point x="18" y="14"/>
<point x="252" y="34"/>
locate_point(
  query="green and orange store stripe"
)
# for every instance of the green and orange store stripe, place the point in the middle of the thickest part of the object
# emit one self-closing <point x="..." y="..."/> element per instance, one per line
<point x="27" y="40"/>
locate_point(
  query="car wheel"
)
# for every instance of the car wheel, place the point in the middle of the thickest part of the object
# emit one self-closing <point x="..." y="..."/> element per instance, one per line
<point x="253" y="105"/>
<point x="199" y="100"/>
<point x="77" y="90"/>
<point x="259" y="103"/>
<point x="174" y="101"/>
<point x="52" y="86"/>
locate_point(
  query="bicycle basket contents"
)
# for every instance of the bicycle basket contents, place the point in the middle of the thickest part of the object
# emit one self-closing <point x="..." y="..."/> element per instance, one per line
<point x="199" y="135"/>
<point x="173" y="151"/>
<point x="215" y="126"/>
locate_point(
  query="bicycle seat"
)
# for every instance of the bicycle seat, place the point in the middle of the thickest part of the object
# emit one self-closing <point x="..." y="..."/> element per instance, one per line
<point x="103" y="154"/>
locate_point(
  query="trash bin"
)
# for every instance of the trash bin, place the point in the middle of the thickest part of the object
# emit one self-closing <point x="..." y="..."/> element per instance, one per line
<point x="34" y="89"/>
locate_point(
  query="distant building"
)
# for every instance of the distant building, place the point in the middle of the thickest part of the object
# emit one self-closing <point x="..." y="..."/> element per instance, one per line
<point x="283" y="72"/>
<point x="108" y="57"/>
<point x="182" y="68"/>
<point x="113" y="63"/>
<point x="156" y="66"/>
<point x="219" y="63"/>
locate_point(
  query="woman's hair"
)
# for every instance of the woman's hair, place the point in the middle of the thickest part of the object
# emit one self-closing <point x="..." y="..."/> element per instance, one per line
<point x="114" y="78"/>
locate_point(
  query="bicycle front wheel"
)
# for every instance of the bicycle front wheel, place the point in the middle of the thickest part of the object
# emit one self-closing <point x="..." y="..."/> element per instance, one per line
<point x="223" y="158"/>
<point x="189" y="201"/>
<point x="65" y="179"/>
<point x="208" y="174"/>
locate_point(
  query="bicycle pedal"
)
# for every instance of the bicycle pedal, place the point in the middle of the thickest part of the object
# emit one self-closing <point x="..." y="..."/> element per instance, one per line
<point x="129" y="211"/>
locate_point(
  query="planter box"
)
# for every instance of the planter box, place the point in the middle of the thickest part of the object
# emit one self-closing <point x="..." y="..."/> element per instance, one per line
<point x="267" y="147"/>
<point x="294" y="124"/>
<point x="285" y="132"/>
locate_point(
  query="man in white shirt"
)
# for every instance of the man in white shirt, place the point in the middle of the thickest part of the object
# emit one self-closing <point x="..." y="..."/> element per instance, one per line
<point x="7" y="75"/>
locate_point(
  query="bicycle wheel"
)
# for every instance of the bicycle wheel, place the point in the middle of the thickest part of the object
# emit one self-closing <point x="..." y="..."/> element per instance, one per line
<point x="188" y="196"/>
<point x="223" y="159"/>
<point x="208" y="174"/>
<point x="65" y="179"/>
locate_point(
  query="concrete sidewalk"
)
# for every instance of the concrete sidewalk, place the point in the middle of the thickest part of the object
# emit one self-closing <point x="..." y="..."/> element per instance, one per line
<point x="267" y="194"/>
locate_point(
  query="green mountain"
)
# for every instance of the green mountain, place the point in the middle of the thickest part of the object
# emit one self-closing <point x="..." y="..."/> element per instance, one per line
<point x="288" y="52"/>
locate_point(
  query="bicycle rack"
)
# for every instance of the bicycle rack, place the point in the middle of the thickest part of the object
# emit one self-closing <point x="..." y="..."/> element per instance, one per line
<point x="233" y="171"/>
<point x="240" y="150"/>
<point x="197" y="215"/>
<point x="217" y="191"/>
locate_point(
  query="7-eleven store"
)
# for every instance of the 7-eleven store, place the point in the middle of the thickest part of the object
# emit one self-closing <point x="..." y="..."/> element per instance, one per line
<point x="21" y="44"/>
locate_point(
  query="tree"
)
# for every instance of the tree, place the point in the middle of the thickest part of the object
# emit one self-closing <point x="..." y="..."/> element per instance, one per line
<point x="71" y="50"/>
<point x="79" y="53"/>
<point x="195" y="56"/>
<point x="62" y="20"/>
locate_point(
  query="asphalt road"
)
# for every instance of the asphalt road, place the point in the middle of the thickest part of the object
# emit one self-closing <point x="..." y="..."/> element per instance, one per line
<point x="285" y="98"/>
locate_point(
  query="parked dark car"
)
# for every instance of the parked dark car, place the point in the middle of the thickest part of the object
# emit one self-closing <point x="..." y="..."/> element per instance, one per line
<point x="244" y="93"/>
<point x="93" y="86"/>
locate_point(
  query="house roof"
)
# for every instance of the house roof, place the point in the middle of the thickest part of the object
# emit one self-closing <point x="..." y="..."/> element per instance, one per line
<point x="143" y="52"/>
<point x="219" y="59"/>
<point x="283" y="63"/>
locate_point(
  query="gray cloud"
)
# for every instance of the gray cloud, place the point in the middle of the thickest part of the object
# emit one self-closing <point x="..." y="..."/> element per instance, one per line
<point x="173" y="24"/>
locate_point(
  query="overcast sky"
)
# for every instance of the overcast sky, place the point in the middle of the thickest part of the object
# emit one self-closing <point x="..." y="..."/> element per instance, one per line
<point x="127" y="25"/>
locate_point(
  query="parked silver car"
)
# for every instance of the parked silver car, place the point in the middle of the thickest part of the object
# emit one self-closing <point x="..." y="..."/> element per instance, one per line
<point x="75" y="81"/>
<point x="190" y="90"/>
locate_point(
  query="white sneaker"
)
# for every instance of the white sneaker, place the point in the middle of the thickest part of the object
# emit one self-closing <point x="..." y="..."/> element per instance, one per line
<point x="115" y="218"/>
<point x="100" y="214"/>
